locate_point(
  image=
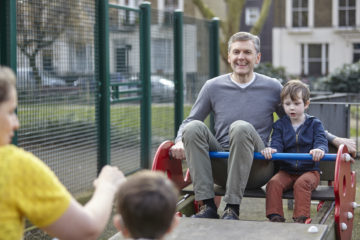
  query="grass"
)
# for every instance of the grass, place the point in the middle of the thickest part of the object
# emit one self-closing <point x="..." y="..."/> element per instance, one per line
<point x="128" y="115"/>
<point x="122" y="116"/>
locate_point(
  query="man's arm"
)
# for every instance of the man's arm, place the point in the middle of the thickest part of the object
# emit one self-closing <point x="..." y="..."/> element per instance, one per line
<point x="337" y="141"/>
<point x="350" y="144"/>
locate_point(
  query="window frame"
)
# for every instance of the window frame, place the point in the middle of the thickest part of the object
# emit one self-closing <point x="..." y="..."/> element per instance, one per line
<point x="306" y="60"/>
<point x="347" y="10"/>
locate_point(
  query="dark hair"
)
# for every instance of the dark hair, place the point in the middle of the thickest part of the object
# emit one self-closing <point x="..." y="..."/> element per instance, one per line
<point x="7" y="80"/>
<point x="244" y="36"/>
<point x="147" y="204"/>
<point x="292" y="88"/>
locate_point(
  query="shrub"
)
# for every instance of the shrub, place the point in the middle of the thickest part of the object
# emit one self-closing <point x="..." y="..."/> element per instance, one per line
<point x="345" y="78"/>
<point x="269" y="70"/>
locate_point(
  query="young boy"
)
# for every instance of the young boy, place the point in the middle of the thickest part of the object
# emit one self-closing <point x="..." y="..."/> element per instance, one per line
<point x="146" y="205"/>
<point x="297" y="132"/>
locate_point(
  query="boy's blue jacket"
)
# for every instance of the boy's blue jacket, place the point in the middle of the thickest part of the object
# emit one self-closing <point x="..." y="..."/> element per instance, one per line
<point x="309" y="135"/>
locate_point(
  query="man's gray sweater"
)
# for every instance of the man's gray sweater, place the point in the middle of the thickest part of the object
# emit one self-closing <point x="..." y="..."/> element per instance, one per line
<point x="229" y="102"/>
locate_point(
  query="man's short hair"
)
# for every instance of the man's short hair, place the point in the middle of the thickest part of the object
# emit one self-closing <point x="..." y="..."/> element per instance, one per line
<point x="292" y="89"/>
<point x="7" y="80"/>
<point x="245" y="36"/>
<point x="147" y="204"/>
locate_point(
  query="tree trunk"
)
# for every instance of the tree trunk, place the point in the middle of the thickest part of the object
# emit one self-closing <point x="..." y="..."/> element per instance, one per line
<point x="256" y="29"/>
<point x="35" y="70"/>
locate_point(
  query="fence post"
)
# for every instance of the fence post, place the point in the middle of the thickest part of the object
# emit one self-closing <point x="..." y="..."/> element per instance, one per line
<point x="145" y="75"/>
<point x="214" y="56"/>
<point x="8" y="38"/>
<point x="102" y="77"/>
<point x="178" y="69"/>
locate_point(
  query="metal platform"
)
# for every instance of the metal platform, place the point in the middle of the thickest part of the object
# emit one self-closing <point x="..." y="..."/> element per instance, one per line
<point x="322" y="193"/>
<point x="213" y="229"/>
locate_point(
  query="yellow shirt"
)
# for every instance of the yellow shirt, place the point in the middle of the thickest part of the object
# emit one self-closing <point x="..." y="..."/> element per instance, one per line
<point x="28" y="188"/>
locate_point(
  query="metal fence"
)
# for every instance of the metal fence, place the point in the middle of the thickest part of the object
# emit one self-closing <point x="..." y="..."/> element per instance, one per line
<point x="340" y="114"/>
<point x="57" y="95"/>
<point x="125" y="92"/>
<point x="82" y="86"/>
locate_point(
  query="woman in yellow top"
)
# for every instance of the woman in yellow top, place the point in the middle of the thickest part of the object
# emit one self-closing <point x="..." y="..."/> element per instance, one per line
<point x="29" y="189"/>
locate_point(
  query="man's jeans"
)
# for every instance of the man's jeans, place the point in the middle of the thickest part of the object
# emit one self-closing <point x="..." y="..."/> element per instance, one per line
<point x="236" y="172"/>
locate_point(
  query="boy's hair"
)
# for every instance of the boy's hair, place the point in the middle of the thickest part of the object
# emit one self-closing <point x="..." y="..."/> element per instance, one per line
<point x="292" y="89"/>
<point x="7" y="80"/>
<point x="147" y="204"/>
<point x="245" y="36"/>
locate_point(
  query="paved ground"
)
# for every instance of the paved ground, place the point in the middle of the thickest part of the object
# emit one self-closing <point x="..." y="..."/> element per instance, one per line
<point x="254" y="209"/>
<point x="251" y="209"/>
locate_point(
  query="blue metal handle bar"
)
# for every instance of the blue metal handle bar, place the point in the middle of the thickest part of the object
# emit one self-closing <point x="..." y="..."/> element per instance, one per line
<point x="278" y="156"/>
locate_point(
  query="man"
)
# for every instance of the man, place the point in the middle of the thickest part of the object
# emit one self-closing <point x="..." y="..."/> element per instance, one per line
<point x="243" y="103"/>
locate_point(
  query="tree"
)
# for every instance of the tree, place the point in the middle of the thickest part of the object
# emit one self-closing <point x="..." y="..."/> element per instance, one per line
<point x="42" y="22"/>
<point x="232" y="22"/>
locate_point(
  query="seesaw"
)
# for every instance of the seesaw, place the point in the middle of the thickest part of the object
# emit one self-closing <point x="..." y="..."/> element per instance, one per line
<point x="337" y="199"/>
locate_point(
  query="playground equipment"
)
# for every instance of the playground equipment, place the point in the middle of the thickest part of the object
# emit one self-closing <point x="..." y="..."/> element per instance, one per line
<point x="337" y="199"/>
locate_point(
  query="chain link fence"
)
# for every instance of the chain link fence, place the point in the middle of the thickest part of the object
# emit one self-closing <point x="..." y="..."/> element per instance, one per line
<point x="125" y="112"/>
<point x="58" y="91"/>
<point x="57" y="97"/>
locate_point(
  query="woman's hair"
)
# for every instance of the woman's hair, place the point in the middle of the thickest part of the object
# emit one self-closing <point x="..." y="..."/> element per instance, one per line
<point x="7" y="80"/>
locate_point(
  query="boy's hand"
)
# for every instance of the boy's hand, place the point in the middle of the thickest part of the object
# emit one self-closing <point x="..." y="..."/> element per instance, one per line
<point x="267" y="152"/>
<point x="317" y="154"/>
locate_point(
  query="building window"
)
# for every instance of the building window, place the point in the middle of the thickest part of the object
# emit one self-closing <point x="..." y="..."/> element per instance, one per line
<point x="122" y="59"/>
<point x="356" y="53"/>
<point x="251" y="16"/>
<point x="314" y="59"/>
<point x="300" y="12"/>
<point x="347" y="13"/>
<point x="47" y="60"/>
<point x="80" y="58"/>
<point x="161" y="59"/>
<point x="171" y="4"/>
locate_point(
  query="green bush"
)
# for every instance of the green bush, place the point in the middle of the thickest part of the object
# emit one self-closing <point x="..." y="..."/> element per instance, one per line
<point x="345" y="78"/>
<point x="269" y="70"/>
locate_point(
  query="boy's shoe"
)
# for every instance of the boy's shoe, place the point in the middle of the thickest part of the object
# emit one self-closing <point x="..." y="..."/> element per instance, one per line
<point x="229" y="214"/>
<point x="301" y="219"/>
<point x="277" y="218"/>
<point x="206" y="212"/>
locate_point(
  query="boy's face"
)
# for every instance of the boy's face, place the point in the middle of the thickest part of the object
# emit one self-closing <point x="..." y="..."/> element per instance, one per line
<point x="295" y="109"/>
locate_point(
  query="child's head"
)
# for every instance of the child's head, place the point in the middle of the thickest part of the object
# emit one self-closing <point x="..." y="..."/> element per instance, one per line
<point x="295" y="99"/>
<point x="146" y="205"/>
<point x="293" y="89"/>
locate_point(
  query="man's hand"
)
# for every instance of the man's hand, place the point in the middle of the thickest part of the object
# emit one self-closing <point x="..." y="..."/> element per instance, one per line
<point x="177" y="151"/>
<point x="350" y="144"/>
<point x="317" y="154"/>
<point x="267" y="152"/>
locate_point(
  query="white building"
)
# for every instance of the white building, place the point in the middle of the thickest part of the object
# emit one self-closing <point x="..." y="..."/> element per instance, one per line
<point x="314" y="37"/>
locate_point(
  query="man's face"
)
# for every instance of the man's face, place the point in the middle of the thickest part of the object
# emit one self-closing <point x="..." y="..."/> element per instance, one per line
<point x="243" y="57"/>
